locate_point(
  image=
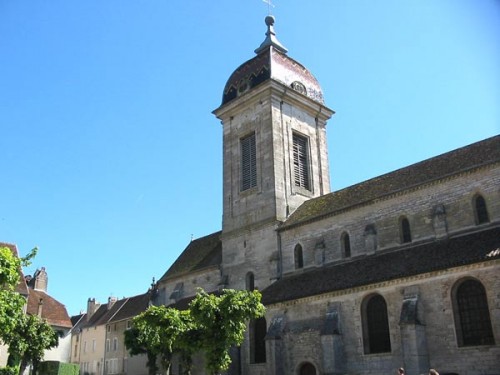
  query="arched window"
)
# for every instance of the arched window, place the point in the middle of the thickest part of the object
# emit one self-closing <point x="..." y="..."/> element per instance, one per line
<point x="472" y="316"/>
<point x="404" y="230"/>
<point x="307" y="369"/>
<point x="299" y="258"/>
<point x="480" y="210"/>
<point x="258" y="330"/>
<point x="250" y="281"/>
<point x="376" y="338"/>
<point x="346" y="245"/>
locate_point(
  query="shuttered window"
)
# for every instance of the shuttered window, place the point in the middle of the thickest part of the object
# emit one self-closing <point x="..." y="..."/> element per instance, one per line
<point x="248" y="163"/>
<point x="301" y="162"/>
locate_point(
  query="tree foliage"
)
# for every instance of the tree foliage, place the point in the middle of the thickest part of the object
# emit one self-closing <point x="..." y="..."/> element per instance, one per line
<point x="27" y="336"/>
<point x="155" y="333"/>
<point x="222" y="321"/>
<point x="28" y="341"/>
<point x="212" y="324"/>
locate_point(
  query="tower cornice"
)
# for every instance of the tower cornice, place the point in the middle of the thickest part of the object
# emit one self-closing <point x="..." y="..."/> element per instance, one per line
<point x="273" y="89"/>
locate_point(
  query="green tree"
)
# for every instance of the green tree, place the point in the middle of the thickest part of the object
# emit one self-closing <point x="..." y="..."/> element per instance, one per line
<point x="26" y="336"/>
<point x="155" y="333"/>
<point x="28" y="341"/>
<point x="135" y="346"/>
<point x="11" y="302"/>
<point x="221" y="321"/>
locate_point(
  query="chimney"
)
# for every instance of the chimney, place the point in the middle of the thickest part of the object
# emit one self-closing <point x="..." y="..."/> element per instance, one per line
<point x="40" y="307"/>
<point x="111" y="302"/>
<point x="41" y="280"/>
<point x="91" y="307"/>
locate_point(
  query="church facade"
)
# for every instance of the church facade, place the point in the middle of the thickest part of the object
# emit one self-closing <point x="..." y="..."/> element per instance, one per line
<point x="402" y="270"/>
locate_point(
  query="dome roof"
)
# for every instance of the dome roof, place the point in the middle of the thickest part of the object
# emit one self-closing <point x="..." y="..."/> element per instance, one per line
<point x="272" y="62"/>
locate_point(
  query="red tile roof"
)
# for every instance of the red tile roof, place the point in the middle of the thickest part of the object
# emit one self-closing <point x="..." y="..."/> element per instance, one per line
<point x="52" y="310"/>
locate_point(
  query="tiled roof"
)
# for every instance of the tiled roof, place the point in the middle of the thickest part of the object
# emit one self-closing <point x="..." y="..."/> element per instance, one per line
<point x="21" y="288"/>
<point x="104" y="313"/>
<point x="52" y="310"/>
<point x="133" y="306"/>
<point x="77" y="319"/>
<point x="448" y="164"/>
<point x="121" y="309"/>
<point x="433" y="256"/>
<point x="200" y="253"/>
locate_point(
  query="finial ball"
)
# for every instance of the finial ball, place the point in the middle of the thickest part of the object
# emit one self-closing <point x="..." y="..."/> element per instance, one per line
<point x="269" y="20"/>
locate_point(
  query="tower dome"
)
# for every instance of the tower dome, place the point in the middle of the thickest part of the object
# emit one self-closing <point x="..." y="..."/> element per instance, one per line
<point x="272" y="62"/>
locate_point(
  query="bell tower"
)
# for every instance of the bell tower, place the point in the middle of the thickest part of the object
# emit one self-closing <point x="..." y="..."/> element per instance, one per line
<point x="274" y="156"/>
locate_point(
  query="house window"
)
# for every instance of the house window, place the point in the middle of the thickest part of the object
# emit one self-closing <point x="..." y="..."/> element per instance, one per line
<point x="250" y="281"/>
<point x="93" y="345"/>
<point x="112" y="365"/>
<point x="85" y="346"/>
<point x="376" y="337"/>
<point x="404" y="230"/>
<point x="115" y="344"/>
<point x="299" y="259"/>
<point x="108" y="345"/>
<point x="480" y="210"/>
<point x="346" y="245"/>
<point x="301" y="162"/>
<point x="258" y="330"/>
<point x="248" y="162"/>
<point x="472" y="316"/>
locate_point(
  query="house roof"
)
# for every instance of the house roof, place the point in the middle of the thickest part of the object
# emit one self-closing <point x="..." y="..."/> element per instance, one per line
<point x="53" y="311"/>
<point x="104" y="313"/>
<point x="124" y="308"/>
<point x="199" y="254"/>
<point x="133" y="306"/>
<point x="21" y="287"/>
<point x="364" y="270"/>
<point x="452" y="163"/>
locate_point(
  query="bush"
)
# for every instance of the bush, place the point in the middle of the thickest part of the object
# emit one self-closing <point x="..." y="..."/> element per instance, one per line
<point x="9" y="371"/>
<point x="57" y="368"/>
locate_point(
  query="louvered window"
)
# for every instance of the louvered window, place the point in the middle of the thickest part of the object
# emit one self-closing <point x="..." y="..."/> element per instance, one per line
<point x="248" y="163"/>
<point x="301" y="162"/>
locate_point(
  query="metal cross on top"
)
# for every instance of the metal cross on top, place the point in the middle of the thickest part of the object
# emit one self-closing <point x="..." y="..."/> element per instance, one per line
<point x="269" y="6"/>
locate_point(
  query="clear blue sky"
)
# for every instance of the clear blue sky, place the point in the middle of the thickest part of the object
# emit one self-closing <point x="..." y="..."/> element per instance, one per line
<point x="111" y="157"/>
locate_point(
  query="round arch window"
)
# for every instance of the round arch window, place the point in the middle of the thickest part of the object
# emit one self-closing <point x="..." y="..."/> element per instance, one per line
<point x="307" y="369"/>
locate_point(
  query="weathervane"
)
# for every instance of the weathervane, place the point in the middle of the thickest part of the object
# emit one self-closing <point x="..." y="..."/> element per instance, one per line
<point x="269" y="6"/>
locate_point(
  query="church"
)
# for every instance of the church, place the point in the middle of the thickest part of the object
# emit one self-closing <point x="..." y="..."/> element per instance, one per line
<point x="402" y="270"/>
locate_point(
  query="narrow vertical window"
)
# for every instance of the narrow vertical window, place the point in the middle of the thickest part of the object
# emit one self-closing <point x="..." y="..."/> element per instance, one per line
<point x="258" y="330"/>
<point x="404" y="230"/>
<point x="301" y="162"/>
<point x="346" y="245"/>
<point x="481" y="211"/>
<point x="299" y="259"/>
<point x="248" y="162"/>
<point x="472" y="316"/>
<point x="250" y="281"/>
<point x="376" y="338"/>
